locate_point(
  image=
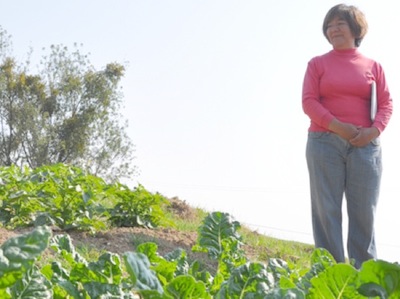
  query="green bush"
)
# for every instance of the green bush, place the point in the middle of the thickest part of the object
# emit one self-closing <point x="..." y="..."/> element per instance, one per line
<point x="69" y="198"/>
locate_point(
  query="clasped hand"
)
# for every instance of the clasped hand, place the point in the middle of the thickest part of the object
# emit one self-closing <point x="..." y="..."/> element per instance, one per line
<point x="364" y="136"/>
<point x="355" y="135"/>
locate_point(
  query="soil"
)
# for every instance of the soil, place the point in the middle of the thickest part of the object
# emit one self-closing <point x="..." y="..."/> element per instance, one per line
<point x="124" y="239"/>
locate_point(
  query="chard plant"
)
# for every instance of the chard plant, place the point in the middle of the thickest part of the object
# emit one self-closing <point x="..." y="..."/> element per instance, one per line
<point x="71" y="199"/>
<point x="137" y="208"/>
<point x="146" y="274"/>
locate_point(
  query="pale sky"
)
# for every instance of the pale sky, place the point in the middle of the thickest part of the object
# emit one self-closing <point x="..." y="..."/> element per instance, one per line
<point x="212" y="94"/>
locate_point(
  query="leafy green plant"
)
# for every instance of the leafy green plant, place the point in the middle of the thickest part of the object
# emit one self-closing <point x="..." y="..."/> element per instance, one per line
<point x="18" y="197"/>
<point x="69" y="198"/>
<point x="147" y="274"/>
<point x="137" y="208"/>
<point x="19" y="278"/>
<point x="59" y="195"/>
<point x="219" y="237"/>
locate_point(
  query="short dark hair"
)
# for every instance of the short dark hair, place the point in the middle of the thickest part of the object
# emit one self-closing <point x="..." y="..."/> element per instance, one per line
<point x="353" y="16"/>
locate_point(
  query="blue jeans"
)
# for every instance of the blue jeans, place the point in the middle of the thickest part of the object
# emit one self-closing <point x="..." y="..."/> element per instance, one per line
<point x="338" y="169"/>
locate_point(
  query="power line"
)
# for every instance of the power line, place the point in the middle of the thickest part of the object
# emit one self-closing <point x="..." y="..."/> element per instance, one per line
<point x="305" y="233"/>
<point x="278" y="229"/>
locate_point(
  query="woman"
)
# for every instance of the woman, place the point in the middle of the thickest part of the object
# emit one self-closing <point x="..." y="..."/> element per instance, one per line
<point x="343" y="149"/>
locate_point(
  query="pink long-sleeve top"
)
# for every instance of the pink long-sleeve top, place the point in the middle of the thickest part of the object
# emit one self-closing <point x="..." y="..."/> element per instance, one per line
<point x="338" y="85"/>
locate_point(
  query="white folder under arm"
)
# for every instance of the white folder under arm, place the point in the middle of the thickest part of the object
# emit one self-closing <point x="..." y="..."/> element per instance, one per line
<point x="374" y="103"/>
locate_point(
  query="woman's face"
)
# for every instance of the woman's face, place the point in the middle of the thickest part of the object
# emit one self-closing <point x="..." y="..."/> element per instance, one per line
<point x="340" y="35"/>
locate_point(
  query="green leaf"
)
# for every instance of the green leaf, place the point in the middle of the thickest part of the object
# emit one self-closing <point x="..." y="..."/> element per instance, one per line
<point x="372" y="290"/>
<point x="337" y="282"/>
<point x="81" y="273"/>
<point x="321" y="260"/>
<point x="380" y="277"/>
<point x="18" y="254"/>
<point x="64" y="287"/>
<point x="201" y="275"/>
<point x="165" y="269"/>
<point x="62" y="244"/>
<point x="150" y="250"/>
<point x="179" y="256"/>
<point x="102" y="290"/>
<point x="5" y="294"/>
<point x="138" y="267"/>
<point x="107" y="268"/>
<point x="32" y="286"/>
<point x="279" y="268"/>
<point x="55" y="272"/>
<point x="323" y="257"/>
<point x="217" y="227"/>
<point x="251" y="279"/>
<point x="186" y="287"/>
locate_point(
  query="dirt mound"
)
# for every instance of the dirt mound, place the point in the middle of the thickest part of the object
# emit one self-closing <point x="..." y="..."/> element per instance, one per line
<point x="123" y="239"/>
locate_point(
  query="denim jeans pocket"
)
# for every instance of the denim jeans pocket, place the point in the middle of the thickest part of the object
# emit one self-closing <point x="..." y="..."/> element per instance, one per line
<point x="376" y="141"/>
<point x="317" y="135"/>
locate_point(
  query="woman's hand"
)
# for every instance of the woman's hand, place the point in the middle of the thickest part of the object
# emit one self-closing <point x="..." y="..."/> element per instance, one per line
<point x="345" y="130"/>
<point x="364" y="136"/>
<point x="356" y="136"/>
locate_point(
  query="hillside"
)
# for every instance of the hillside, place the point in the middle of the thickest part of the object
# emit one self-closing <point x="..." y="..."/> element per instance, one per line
<point x="122" y="239"/>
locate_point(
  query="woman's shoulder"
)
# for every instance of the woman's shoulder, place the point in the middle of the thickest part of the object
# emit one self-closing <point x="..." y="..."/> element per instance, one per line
<point x="321" y="56"/>
<point x="369" y="60"/>
<point x="319" y="59"/>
